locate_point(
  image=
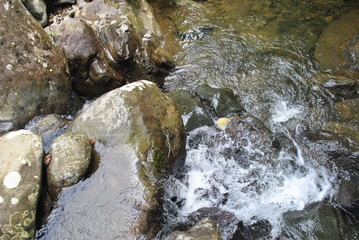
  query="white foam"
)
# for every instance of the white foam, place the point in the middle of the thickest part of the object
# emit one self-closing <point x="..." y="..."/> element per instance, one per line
<point x="283" y="113"/>
<point x="255" y="191"/>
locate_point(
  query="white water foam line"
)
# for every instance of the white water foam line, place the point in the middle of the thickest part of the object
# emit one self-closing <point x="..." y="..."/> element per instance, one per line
<point x="256" y="191"/>
<point x="283" y="113"/>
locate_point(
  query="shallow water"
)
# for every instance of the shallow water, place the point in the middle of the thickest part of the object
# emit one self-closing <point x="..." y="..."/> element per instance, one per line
<point x="263" y="50"/>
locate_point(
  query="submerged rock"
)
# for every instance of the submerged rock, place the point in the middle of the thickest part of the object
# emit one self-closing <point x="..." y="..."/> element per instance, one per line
<point x="252" y="137"/>
<point x="140" y="137"/>
<point x="316" y="221"/>
<point x="203" y="230"/>
<point x="220" y="101"/>
<point x="225" y="221"/>
<point x="34" y="77"/>
<point x="347" y="110"/>
<point x="338" y="88"/>
<point x="339" y="150"/>
<point x="256" y="231"/>
<point x="21" y="171"/>
<point x="193" y="113"/>
<point x="337" y="47"/>
<point x="70" y="159"/>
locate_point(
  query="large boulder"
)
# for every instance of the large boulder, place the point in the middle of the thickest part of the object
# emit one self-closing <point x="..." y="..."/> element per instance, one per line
<point x="21" y="171"/>
<point x="91" y="75"/>
<point x="34" y="77"/>
<point x="70" y="159"/>
<point x="139" y="136"/>
<point x="111" y="43"/>
<point x="337" y="47"/>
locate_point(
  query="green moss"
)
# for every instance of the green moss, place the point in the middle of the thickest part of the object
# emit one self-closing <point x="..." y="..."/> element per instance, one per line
<point x="159" y="162"/>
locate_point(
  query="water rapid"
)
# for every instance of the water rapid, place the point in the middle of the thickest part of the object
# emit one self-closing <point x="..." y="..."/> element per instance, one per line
<point x="264" y="54"/>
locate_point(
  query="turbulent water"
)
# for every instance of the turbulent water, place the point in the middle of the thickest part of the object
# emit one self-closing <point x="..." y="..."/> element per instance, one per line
<point x="263" y="50"/>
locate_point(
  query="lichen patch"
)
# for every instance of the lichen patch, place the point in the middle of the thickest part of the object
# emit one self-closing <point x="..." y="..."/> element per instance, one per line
<point x="12" y="180"/>
<point x="1" y="200"/>
<point x="14" y="200"/>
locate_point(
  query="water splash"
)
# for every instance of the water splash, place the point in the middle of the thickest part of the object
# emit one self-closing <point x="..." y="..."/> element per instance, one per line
<point x="248" y="187"/>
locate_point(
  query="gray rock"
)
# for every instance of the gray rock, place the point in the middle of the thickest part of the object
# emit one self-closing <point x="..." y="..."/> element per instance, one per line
<point x="133" y="44"/>
<point x="194" y="114"/>
<point x="248" y="131"/>
<point x="34" y="78"/>
<point x="21" y="171"/>
<point x="221" y="101"/>
<point x="91" y="75"/>
<point x="316" y="221"/>
<point x="203" y="230"/>
<point x="139" y="137"/>
<point x="225" y="221"/>
<point x="339" y="150"/>
<point x="38" y="9"/>
<point x="70" y="158"/>
<point x="49" y="127"/>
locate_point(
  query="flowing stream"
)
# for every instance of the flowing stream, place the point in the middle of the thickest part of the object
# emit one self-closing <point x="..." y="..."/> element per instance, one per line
<point x="263" y="51"/>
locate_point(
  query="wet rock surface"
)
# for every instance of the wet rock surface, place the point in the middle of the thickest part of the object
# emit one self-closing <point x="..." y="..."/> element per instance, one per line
<point x="317" y="221"/>
<point x="225" y="221"/>
<point x="220" y="101"/>
<point x="204" y="229"/>
<point x="21" y="171"/>
<point x="70" y="159"/>
<point x="139" y="137"/>
<point x="48" y="127"/>
<point x="80" y="45"/>
<point x="111" y="43"/>
<point x="34" y="77"/>
<point x="192" y="110"/>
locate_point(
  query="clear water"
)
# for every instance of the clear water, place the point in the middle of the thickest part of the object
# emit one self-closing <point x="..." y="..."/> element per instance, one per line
<point x="263" y="50"/>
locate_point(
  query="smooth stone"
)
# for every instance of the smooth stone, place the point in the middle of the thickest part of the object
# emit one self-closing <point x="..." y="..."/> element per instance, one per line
<point x="140" y="139"/>
<point x="70" y="159"/>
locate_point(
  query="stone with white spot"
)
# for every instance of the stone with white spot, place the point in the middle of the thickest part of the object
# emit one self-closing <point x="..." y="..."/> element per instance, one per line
<point x="14" y="201"/>
<point x="12" y="180"/>
<point x="21" y="165"/>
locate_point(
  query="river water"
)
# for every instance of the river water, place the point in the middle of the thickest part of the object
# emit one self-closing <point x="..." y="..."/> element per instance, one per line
<point x="263" y="51"/>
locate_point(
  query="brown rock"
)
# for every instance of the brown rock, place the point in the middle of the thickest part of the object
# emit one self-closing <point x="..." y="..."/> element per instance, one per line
<point x="34" y="77"/>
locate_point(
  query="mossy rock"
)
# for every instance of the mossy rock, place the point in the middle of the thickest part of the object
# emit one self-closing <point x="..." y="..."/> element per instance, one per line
<point x="140" y="138"/>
